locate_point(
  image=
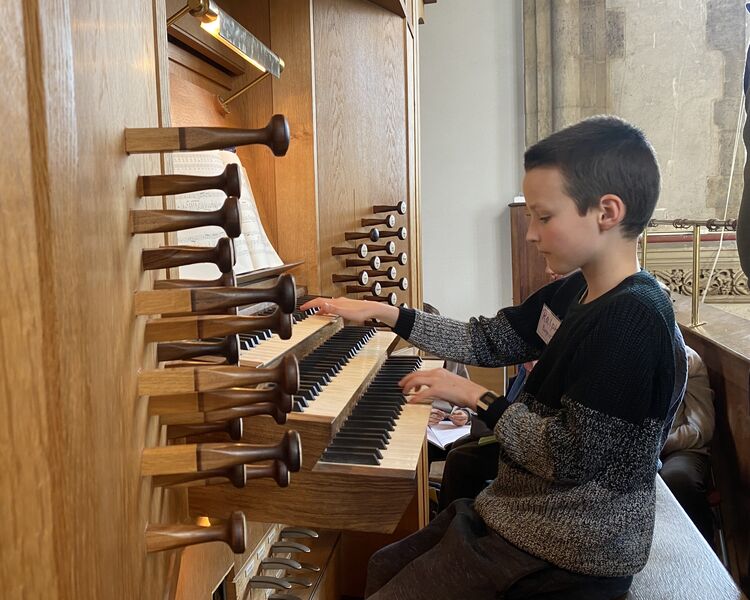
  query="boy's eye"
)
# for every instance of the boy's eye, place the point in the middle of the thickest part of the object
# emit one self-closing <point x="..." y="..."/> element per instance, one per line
<point x="544" y="219"/>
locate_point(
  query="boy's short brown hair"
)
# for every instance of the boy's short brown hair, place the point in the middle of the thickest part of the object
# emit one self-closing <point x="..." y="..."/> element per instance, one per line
<point x="603" y="155"/>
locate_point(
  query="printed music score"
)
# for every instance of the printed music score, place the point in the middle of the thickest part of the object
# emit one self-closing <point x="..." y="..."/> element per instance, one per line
<point x="253" y="250"/>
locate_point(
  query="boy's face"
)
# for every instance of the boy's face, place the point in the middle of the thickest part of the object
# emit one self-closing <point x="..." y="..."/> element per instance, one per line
<point x="566" y="239"/>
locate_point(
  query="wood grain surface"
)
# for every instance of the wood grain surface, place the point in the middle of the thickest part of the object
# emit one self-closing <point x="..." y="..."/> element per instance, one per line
<point x="75" y="422"/>
<point x="361" y="120"/>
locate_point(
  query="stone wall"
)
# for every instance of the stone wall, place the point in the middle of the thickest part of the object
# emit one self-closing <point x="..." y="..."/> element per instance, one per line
<point x="673" y="67"/>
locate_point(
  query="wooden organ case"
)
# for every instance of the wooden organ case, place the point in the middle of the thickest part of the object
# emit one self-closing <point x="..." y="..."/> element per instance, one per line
<point x="82" y="518"/>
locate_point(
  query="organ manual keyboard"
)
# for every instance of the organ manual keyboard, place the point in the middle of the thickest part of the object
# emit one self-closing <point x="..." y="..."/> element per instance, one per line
<point x="362" y="443"/>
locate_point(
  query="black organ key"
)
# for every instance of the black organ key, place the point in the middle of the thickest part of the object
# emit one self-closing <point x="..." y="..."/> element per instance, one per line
<point x="318" y="368"/>
<point x="375" y="414"/>
<point x="355" y="449"/>
<point x="350" y="458"/>
<point x="385" y="424"/>
<point x="372" y="441"/>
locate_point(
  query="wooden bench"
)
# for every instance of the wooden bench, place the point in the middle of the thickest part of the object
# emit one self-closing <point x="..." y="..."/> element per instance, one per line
<point x="681" y="566"/>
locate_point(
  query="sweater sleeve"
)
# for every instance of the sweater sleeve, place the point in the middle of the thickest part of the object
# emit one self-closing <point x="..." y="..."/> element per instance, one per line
<point x="508" y="338"/>
<point x="613" y="379"/>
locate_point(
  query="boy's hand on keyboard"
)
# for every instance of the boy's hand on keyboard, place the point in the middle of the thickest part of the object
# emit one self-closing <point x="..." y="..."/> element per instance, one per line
<point x="443" y="385"/>
<point x="354" y="310"/>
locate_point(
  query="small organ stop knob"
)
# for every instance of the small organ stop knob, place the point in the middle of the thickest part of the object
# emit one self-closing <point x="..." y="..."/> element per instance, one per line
<point x="374" y="289"/>
<point x="362" y="278"/>
<point x="400" y="233"/>
<point x="361" y="250"/>
<point x="401" y="258"/>
<point x="389" y="221"/>
<point x="391" y="298"/>
<point x="388" y="248"/>
<point x="390" y="273"/>
<point x="373" y="235"/>
<point x="402" y="284"/>
<point x="373" y="262"/>
<point x="399" y="207"/>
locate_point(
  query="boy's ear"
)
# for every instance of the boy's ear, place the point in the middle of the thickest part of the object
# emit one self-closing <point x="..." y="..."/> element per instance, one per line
<point x="611" y="211"/>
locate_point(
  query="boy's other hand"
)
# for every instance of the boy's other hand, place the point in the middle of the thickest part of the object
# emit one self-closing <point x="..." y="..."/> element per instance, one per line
<point x="354" y="310"/>
<point x="436" y="415"/>
<point x="459" y="418"/>
<point x="443" y="385"/>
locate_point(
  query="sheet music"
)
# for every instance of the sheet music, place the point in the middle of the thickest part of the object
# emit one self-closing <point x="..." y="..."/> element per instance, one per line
<point x="262" y="253"/>
<point x="205" y="164"/>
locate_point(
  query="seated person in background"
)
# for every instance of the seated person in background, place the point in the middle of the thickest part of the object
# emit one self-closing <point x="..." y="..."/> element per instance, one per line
<point x="444" y="412"/>
<point x="685" y="456"/>
<point x="457" y="415"/>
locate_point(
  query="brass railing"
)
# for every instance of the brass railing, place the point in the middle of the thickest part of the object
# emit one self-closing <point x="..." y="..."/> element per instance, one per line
<point x="695" y="225"/>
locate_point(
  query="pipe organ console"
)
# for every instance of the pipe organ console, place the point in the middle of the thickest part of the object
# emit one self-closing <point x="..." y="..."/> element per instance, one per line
<point x="155" y="412"/>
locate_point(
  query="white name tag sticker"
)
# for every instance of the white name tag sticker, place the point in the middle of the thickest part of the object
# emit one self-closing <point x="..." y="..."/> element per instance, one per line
<point x="548" y="324"/>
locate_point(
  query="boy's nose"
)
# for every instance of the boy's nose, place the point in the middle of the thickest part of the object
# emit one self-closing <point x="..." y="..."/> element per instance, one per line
<point x="531" y="235"/>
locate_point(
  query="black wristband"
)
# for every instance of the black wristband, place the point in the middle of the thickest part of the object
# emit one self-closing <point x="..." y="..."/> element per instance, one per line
<point x="490" y="408"/>
<point x="405" y="322"/>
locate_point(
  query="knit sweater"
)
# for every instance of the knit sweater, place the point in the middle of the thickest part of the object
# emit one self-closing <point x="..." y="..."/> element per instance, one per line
<point x="579" y="448"/>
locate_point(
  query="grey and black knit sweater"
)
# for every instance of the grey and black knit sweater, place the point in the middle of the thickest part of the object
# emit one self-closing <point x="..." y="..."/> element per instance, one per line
<point x="579" y="449"/>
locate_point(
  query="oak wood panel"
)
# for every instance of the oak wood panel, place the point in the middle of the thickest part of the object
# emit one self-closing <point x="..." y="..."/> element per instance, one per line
<point x="315" y="500"/>
<point x="360" y="106"/>
<point x="202" y="568"/>
<point x="27" y="569"/>
<point x="295" y="175"/>
<point x="85" y="85"/>
<point x="397" y="7"/>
